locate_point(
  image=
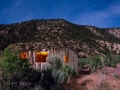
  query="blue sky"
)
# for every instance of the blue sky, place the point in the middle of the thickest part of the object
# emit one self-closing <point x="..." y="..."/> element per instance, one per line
<point x="99" y="13"/>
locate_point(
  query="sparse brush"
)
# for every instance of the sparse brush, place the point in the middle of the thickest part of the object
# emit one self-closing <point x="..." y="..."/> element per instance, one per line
<point x="98" y="62"/>
<point x="116" y="76"/>
<point x="55" y="61"/>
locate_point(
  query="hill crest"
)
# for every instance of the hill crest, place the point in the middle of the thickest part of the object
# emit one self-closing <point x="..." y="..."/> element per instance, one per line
<point x="84" y="39"/>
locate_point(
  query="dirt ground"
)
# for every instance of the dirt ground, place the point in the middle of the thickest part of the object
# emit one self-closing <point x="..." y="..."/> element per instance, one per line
<point x="105" y="79"/>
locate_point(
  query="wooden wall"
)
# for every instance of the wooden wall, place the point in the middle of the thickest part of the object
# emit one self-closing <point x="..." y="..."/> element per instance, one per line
<point x="67" y="55"/>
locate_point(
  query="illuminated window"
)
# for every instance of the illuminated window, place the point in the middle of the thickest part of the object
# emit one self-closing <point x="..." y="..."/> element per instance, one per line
<point x="66" y="59"/>
<point x="23" y="55"/>
<point x="41" y="56"/>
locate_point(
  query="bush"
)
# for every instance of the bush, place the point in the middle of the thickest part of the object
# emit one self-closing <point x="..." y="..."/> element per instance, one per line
<point x="59" y="73"/>
<point x="97" y="62"/>
<point x="17" y="70"/>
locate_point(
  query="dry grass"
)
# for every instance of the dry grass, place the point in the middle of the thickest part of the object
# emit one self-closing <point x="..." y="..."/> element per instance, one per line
<point x="89" y="81"/>
<point x="100" y="81"/>
<point x="73" y="85"/>
<point x="106" y="79"/>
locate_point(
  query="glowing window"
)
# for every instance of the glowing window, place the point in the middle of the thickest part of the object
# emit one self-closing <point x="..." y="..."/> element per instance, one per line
<point x="41" y="56"/>
<point x="66" y="59"/>
<point x="23" y="55"/>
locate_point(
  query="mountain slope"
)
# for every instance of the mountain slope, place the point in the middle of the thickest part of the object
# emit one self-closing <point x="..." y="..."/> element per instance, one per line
<point x="37" y="34"/>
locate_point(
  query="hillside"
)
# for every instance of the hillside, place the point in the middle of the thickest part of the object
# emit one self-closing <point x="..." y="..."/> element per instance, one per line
<point x="37" y="34"/>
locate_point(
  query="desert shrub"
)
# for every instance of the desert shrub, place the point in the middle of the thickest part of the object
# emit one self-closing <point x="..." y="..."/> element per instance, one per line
<point x="69" y="70"/>
<point x="111" y="60"/>
<point x="17" y="70"/>
<point x="97" y="62"/>
<point x="47" y="81"/>
<point x="94" y="62"/>
<point x="55" y="61"/>
<point x="59" y="74"/>
<point x="116" y="76"/>
<point x="83" y="61"/>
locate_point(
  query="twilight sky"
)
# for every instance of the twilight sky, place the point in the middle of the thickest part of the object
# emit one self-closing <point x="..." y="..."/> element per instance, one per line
<point x="100" y="13"/>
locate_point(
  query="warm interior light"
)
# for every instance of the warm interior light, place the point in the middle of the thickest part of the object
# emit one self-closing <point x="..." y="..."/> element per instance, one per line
<point x="66" y="59"/>
<point x="23" y="55"/>
<point x="43" y="53"/>
<point x="41" y="56"/>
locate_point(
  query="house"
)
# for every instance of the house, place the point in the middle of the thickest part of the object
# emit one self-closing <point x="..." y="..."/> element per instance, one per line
<point x="39" y="58"/>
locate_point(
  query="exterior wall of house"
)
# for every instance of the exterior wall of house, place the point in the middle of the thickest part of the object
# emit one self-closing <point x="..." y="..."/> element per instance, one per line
<point x="30" y="57"/>
<point x="73" y="60"/>
<point x="70" y="55"/>
<point x="60" y="52"/>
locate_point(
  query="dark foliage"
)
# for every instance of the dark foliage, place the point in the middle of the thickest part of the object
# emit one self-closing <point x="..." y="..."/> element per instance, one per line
<point x="58" y="32"/>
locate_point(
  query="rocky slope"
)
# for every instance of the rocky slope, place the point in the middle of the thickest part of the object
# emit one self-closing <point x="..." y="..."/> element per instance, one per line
<point x="37" y="34"/>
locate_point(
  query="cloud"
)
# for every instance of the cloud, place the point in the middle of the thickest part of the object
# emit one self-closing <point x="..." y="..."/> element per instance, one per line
<point x="115" y="9"/>
<point x="103" y="18"/>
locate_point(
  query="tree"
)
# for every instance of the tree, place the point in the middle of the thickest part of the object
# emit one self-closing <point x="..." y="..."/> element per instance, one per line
<point x="16" y="71"/>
